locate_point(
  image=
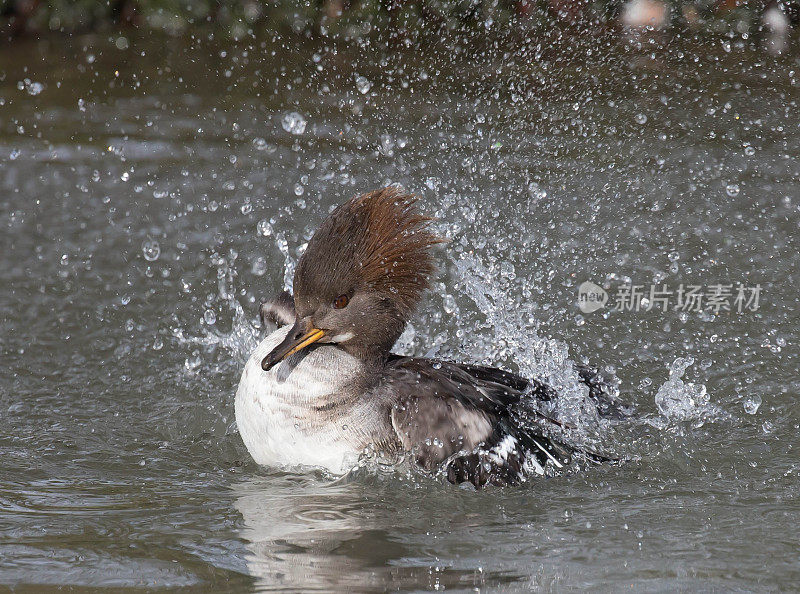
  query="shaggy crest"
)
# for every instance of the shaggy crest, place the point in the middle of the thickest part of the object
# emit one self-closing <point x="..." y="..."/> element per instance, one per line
<point x="376" y="242"/>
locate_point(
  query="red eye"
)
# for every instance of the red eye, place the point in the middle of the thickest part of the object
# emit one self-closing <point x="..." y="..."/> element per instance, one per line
<point x="341" y="301"/>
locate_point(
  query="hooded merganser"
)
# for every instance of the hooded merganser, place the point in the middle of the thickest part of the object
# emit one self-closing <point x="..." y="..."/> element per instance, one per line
<point x="325" y="387"/>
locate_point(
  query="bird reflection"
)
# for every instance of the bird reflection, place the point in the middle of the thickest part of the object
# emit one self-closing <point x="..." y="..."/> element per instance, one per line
<point x="309" y="532"/>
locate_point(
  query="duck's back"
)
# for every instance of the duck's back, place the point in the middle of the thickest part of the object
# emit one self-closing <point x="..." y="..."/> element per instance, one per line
<point x="480" y="424"/>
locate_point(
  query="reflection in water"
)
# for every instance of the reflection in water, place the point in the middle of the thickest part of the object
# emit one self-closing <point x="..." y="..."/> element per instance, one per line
<point x="310" y="532"/>
<point x="295" y="527"/>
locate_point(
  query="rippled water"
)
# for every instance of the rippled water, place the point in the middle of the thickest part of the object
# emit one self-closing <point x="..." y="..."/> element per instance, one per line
<point x="151" y="196"/>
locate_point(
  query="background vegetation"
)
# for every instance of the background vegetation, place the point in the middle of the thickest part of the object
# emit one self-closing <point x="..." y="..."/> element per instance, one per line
<point x="402" y="18"/>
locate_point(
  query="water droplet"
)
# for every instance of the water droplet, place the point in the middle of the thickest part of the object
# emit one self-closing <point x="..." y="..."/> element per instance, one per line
<point x="641" y="118"/>
<point x="450" y="304"/>
<point x="151" y="250"/>
<point x="209" y="317"/>
<point x="386" y="145"/>
<point x="294" y="123"/>
<point x="14" y="154"/>
<point x="158" y="343"/>
<point x="264" y="228"/>
<point x="33" y="88"/>
<point x="363" y="85"/>
<point x="751" y="404"/>
<point x="299" y="189"/>
<point x="732" y="190"/>
<point x="193" y="362"/>
<point x="247" y="208"/>
<point x="259" y="266"/>
<point x="535" y="192"/>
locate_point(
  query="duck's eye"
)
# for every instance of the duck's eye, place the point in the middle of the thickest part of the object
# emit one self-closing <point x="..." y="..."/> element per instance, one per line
<point x="341" y="301"/>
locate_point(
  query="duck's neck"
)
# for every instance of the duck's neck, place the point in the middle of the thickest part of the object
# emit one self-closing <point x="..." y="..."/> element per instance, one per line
<point x="373" y="359"/>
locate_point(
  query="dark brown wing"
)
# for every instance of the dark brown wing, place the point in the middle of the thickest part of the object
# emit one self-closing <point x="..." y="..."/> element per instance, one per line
<point x="460" y="419"/>
<point x="500" y="389"/>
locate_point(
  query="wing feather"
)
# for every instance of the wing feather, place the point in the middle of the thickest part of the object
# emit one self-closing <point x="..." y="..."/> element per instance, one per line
<point x="465" y="425"/>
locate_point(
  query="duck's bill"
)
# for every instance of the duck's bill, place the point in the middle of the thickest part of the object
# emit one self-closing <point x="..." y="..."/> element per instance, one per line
<point x="290" y="345"/>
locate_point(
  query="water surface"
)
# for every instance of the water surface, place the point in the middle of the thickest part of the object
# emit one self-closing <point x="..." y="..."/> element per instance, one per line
<point x="151" y="196"/>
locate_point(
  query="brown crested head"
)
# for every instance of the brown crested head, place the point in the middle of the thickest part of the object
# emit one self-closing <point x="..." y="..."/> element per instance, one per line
<point x="362" y="275"/>
<point x="378" y="242"/>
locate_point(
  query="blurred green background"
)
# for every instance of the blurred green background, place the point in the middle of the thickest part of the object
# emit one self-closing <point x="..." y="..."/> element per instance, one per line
<point x="405" y="19"/>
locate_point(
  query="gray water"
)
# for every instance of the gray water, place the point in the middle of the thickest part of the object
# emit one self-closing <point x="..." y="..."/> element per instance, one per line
<point x="152" y="195"/>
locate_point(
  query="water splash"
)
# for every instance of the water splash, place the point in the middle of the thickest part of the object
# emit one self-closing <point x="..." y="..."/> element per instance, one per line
<point x="680" y="401"/>
<point x="242" y="339"/>
<point x="244" y="335"/>
<point x="509" y="333"/>
<point x="512" y="326"/>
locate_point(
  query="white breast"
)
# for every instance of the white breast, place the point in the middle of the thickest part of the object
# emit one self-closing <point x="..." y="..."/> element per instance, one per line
<point x="276" y="410"/>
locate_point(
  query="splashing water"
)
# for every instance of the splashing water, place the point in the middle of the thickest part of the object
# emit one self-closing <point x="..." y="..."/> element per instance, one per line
<point x="513" y="336"/>
<point x="238" y="343"/>
<point x="243" y="336"/>
<point x="507" y="333"/>
<point x="679" y="400"/>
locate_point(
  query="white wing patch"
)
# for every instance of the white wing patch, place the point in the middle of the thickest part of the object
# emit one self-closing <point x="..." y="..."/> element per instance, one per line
<point x="548" y="454"/>
<point x="509" y="445"/>
<point x="532" y="465"/>
<point x="499" y="453"/>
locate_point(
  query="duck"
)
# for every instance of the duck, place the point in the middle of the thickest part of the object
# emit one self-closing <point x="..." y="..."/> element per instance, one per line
<point x="324" y="388"/>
